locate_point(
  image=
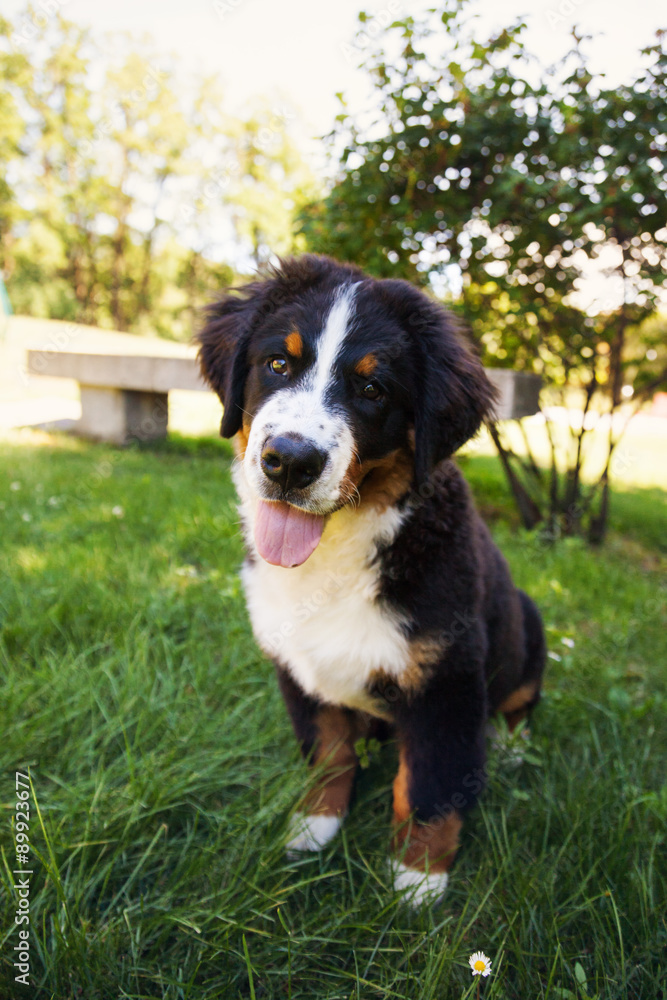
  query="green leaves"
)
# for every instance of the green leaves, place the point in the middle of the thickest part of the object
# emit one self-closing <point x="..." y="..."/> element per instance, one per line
<point x="538" y="208"/>
<point x="116" y="181"/>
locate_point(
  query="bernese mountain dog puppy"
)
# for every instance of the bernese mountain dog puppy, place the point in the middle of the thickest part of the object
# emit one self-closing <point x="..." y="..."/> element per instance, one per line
<point x="371" y="581"/>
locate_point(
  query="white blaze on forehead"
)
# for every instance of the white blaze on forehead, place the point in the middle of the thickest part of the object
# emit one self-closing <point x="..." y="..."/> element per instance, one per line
<point x="302" y="409"/>
<point x="333" y="336"/>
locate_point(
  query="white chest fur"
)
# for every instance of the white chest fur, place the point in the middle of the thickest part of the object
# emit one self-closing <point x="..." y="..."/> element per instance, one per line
<point x="322" y="619"/>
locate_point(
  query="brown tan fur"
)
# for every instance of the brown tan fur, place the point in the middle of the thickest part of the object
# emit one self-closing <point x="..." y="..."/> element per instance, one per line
<point x="241" y="441"/>
<point x="516" y="706"/>
<point x="379" y="482"/>
<point x="294" y="344"/>
<point x="337" y="732"/>
<point x="424" y="846"/>
<point x="425" y="652"/>
<point x="366" y="366"/>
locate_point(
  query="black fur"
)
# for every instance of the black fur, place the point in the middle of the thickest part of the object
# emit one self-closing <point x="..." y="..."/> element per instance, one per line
<point x="445" y="572"/>
<point x="453" y="394"/>
<point x="442" y="571"/>
<point x="225" y="338"/>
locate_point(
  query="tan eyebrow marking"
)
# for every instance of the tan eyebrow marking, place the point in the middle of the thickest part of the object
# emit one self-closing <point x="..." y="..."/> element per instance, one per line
<point x="367" y="365"/>
<point x="294" y="344"/>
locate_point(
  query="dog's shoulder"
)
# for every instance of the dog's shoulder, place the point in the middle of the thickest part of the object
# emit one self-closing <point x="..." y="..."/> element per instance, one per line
<point x="441" y="523"/>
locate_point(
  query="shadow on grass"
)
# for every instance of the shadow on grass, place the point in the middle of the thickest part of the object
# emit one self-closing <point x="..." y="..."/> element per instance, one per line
<point x="639" y="514"/>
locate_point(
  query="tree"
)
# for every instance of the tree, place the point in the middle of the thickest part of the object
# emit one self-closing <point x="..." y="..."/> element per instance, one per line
<point x="506" y="192"/>
<point x="128" y="203"/>
<point x="14" y="69"/>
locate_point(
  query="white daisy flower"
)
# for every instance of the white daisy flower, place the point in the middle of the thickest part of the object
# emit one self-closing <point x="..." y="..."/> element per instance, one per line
<point x="568" y="642"/>
<point x="480" y="964"/>
<point x="117" y="511"/>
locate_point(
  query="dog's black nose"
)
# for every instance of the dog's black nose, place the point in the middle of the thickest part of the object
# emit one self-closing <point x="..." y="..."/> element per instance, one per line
<point x="291" y="461"/>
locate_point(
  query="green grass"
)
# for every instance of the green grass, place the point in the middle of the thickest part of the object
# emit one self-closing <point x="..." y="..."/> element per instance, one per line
<point x="165" y="769"/>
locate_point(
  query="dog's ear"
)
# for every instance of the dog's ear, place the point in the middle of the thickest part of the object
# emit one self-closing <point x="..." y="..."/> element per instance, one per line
<point x="452" y="394"/>
<point x="223" y="344"/>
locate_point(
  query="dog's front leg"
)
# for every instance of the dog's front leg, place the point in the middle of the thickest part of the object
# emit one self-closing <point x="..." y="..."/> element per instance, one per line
<point x="326" y="735"/>
<point x="440" y="775"/>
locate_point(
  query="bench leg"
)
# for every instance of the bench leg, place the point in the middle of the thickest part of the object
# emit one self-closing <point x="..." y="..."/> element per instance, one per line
<point x="122" y="415"/>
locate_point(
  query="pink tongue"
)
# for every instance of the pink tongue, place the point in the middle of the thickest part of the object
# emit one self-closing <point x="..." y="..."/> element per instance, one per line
<point x="285" y="535"/>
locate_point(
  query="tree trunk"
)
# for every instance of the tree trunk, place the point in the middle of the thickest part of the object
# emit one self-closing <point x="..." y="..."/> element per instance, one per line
<point x="528" y="509"/>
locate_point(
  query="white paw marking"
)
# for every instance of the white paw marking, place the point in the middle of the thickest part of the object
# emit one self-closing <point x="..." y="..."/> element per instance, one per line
<point x="418" y="887"/>
<point x="311" y="833"/>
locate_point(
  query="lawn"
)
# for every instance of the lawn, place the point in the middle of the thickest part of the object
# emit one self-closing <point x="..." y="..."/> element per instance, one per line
<point x="165" y="770"/>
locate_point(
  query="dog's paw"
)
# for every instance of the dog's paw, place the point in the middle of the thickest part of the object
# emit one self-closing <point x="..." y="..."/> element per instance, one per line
<point x="417" y="888"/>
<point x="311" y="833"/>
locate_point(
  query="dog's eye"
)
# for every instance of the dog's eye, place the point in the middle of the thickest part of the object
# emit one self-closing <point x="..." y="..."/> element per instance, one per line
<point x="278" y="366"/>
<point x="371" y="391"/>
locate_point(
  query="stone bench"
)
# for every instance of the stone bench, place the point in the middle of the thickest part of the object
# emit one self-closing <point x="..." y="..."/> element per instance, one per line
<point x="518" y="393"/>
<point x="125" y="397"/>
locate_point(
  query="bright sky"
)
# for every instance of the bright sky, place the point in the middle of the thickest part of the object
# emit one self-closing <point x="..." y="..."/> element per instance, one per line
<point x="300" y="53"/>
<point x="302" y="47"/>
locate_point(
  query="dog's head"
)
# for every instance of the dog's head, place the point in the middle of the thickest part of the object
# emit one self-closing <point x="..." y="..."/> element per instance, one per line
<point x="325" y="374"/>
